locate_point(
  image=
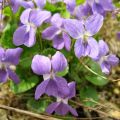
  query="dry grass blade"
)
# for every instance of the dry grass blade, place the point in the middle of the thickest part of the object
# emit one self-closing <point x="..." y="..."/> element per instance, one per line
<point x="42" y="117"/>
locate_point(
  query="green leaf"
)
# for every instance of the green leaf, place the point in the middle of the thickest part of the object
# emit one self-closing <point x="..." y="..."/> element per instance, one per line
<point x="88" y="94"/>
<point x="48" y="51"/>
<point x="7" y="11"/>
<point x="27" y="56"/>
<point x="98" y="79"/>
<point x="117" y="4"/>
<point x="24" y="85"/>
<point x="6" y="39"/>
<point x="65" y="14"/>
<point x="55" y="8"/>
<point x="37" y="106"/>
<point x="26" y="62"/>
<point x="75" y="76"/>
<point x="63" y="73"/>
<point x="95" y="67"/>
<point x="80" y="2"/>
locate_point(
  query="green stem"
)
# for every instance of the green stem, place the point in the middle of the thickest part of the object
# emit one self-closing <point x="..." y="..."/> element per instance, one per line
<point x="40" y="40"/>
<point x="41" y="43"/>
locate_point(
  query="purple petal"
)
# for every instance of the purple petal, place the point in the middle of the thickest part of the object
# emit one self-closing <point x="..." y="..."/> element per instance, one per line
<point x="51" y="88"/>
<point x="73" y="111"/>
<point x="71" y="4"/>
<point x="74" y="28"/>
<point x="32" y="37"/>
<point x="56" y="20"/>
<point x="51" y="108"/>
<point x="3" y="76"/>
<point x="62" y="86"/>
<point x="98" y="8"/>
<point x="107" y="5"/>
<point x="50" y="32"/>
<point x="67" y="41"/>
<point x="83" y="11"/>
<point x="25" y="16"/>
<point x="13" y="76"/>
<point x="19" y="36"/>
<point x="90" y="2"/>
<point x="58" y="42"/>
<point x="72" y="89"/>
<point x="15" y="4"/>
<point x="41" y="65"/>
<point x="105" y="67"/>
<point x="87" y="49"/>
<point x="79" y="48"/>
<point x="40" y="90"/>
<point x="112" y="60"/>
<point x="13" y="55"/>
<point x="59" y="62"/>
<point x="94" y="48"/>
<point x="27" y="4"/>
<point x="37" y="17"/>
<point x="62" y="109"/>
<point x="2" y="53"/>
<point x="93" y="24"/>
<point x="103" y="48"/>
<point x="40" y="3"/>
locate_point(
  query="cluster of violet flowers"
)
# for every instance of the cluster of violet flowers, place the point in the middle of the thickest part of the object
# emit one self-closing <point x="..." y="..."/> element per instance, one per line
<point x="87" y="19"/>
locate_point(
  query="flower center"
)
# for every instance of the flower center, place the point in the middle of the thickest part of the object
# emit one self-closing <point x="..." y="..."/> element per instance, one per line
<point x="50" y="75"/>
<point x="86" y="36"/>
<point x="103" y="58"/>
<point x="97" y="1"/>
<point x="2" y="65"/>
<point x="29" y="25"/>
<point x="65" y="101"/>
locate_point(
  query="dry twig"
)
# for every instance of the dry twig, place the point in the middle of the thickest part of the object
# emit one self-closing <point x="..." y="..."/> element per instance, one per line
<point x="42" y="117"/>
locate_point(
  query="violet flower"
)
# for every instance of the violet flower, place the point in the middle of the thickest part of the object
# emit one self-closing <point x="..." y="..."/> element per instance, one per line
<point x="106" y="60"/>
<point x="15" y="4"/>
<point x="82" y="11"/>
<point x="57" y="34"/>
<point x="9" y="59"/>
<point x="70" y="5"/>
<point x="61" y="107"/>
<point x="48" y="67"/>
<point x="31" y="19"/>
<point x="101" y="6"/>
<point x="85" y="45"/>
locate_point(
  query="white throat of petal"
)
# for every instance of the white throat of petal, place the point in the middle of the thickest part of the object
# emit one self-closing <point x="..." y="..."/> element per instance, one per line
<point x="29" y="25"/>
<point x="87" y="34"/>
<point x="5" y="65"/>
<point x="65" y="101"/>
<point x="103" y="58"/>
<point x="12" y="67"/>
<point x="48" y="76"/>
<point x="97" y="1"/>
<point x="2" y="65"/>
